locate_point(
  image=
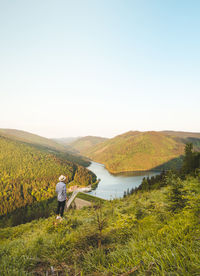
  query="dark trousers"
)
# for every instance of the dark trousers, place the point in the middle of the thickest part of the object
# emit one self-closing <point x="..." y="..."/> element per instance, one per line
<point x="61" y="206"/>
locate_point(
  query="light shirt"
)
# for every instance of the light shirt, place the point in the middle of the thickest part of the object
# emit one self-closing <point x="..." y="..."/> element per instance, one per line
<point x="61" y="191"/>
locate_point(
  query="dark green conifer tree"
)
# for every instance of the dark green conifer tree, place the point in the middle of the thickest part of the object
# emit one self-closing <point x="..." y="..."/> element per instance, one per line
<point x="176" y="195"/>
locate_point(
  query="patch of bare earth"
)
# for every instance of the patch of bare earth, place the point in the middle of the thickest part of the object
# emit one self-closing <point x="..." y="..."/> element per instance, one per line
<point x="80" y="203"/>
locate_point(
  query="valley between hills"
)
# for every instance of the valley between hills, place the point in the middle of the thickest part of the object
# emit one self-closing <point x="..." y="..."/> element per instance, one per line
<point x="152" y="230"/>
<point x="130" y="151"/>
<point x="135" y="151"/>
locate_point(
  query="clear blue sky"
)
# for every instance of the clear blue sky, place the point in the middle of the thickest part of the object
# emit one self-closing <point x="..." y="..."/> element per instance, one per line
<point x="99" y="67"/>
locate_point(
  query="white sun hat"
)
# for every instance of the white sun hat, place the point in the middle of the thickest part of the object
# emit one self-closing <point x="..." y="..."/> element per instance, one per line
<point x="62" y="178"/>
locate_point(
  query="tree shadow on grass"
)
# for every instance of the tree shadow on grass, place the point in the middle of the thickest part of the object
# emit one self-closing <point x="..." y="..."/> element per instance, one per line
<point x="173" y="164"/>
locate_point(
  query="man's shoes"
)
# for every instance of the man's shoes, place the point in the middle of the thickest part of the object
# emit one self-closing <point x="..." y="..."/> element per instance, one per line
<point x="58" y="217"/>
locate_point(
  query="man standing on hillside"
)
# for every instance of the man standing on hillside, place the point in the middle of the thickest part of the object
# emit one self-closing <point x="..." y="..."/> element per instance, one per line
<point x="62" y="196"/>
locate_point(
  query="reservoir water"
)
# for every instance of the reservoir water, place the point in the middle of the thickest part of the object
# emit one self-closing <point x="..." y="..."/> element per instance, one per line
<point x="113" y="186"/>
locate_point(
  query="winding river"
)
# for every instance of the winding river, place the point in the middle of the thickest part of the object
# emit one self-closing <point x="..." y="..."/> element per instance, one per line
<point x="113" y="186"/>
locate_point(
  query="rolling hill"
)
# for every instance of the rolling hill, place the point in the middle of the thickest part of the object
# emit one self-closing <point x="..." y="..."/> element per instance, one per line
<point x="31" y="138"/>
<point x="83" y="144"/>
<point x="139" y="151"/>
<point x="185" y="137"/>
<point x="42" y="143"/>
<point x="182" y="134"/>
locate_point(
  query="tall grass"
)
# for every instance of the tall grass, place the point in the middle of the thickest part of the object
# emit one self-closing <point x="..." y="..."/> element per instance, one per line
<point x="138" y="233"/>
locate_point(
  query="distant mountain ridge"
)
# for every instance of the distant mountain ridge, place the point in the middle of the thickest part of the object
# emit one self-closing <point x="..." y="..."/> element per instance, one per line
<point x="43" y="143"/>
<point x="140" y="151"/>
<point x="83" y="144"/>
<point x="182" y="134"/>
<point x="185" y="137"/>
<point x="30" y="138"/>
<point x="65" y="141"/>
<point x="130" y="151"/>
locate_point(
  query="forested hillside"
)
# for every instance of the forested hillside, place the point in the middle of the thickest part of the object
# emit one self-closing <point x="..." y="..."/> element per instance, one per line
<point x="28" y="175"/>
<point x="185" y="137"/>
<point x="30" y="138"/>
<point x="83" y="144"/>
<point x="154" y="231"/>
<point x="137" y="151"/>
<point x="182" y="134"/>
<point x="42" y="143"/>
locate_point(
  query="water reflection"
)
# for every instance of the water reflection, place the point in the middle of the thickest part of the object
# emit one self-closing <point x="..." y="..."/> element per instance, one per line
<point x="113" y="185"/>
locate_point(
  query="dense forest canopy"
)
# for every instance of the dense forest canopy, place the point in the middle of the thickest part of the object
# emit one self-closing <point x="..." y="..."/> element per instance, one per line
<point x="28" y="174"/>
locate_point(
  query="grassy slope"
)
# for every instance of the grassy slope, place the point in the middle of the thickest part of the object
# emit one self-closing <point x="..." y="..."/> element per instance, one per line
<point x="90" y="198"/>
<point x="84" y="144"/>
<point x="134" y="151"/>
<point x="137" y="228"/>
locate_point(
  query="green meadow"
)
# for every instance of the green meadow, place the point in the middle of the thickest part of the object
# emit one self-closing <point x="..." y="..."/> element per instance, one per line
<point x="153" y="230"/>
<point x="138" y="232"/>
